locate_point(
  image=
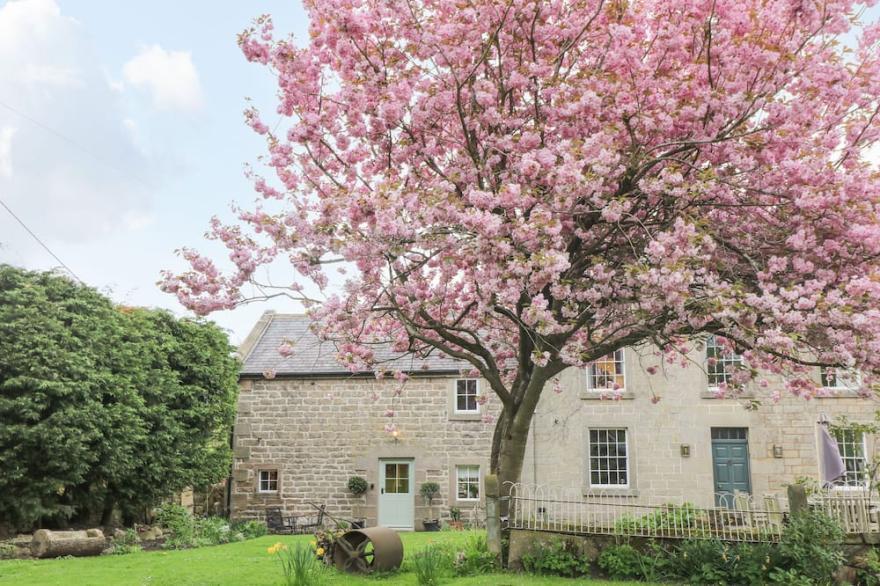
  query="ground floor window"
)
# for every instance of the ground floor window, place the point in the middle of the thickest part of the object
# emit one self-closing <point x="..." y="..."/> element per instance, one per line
<point x="268" y="481"/>
<point x="467" y="482"/>
<point x="851" y="444"/>
<point x="609" y="458"/>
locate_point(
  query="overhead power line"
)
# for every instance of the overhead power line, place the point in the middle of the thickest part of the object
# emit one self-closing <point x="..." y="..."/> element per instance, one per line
<point x="43" y="244"/>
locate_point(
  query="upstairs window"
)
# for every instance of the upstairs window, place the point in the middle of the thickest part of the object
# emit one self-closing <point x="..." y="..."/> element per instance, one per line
<point x="268" y="481"/>
<point x="466" y="395"/>
<point x="606" y="373"/>
<point x="721" y="362"/>
<point x="839" y="379"/>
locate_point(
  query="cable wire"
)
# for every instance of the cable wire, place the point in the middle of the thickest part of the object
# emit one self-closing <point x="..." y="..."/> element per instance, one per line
<point x="43" y="244"/>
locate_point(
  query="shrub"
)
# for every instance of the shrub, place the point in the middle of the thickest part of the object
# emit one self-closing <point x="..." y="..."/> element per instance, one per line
<point x="213" y="531"/>
<point x="475" y="558"/>
<point x="869" y="574"/>
<point x="620" y="562"/>
<point x="430" y="565"/>
<point x="357" y="485"/>
<point x="811" y="544"/>
<point x="560" y="557"/>
<point x="125" y="543"/>
<point x="251" y="529"/>
<point x="179" y="524"/>
<point x="672" y="517"/>
<point x="709" y="561"/>
<point x="429" y="491"/>
<point x="299" y="564"/>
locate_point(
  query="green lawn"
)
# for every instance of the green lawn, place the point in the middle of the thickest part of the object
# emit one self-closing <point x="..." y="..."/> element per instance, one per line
<point x="245" y="563"/>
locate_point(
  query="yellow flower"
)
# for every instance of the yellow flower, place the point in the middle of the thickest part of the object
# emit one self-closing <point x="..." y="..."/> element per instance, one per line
<point x="313" y="543"/>
<point x="320" y="551"/>
<point x="276" y="548"/>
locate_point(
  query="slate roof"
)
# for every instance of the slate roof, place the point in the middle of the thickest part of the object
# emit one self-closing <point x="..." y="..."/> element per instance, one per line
<point x="313" y="357"/>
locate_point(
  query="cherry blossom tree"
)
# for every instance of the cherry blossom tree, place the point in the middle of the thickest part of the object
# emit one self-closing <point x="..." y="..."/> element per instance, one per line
<point x="530" y="185"/>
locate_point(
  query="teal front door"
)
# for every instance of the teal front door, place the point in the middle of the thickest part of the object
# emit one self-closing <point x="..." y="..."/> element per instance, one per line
<point x="730" y="463"/>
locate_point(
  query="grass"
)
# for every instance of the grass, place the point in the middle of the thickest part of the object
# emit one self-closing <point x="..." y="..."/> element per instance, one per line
<point x="233" y="564"/>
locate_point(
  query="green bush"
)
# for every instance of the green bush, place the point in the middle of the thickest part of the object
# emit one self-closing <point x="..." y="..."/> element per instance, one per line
<point x="620" y="562"/>
<point x="809" y="553"/>
<point x="251" y="529"/>
<point x="125" y="543"/>
<point x="430" y="565"/>
<point x="179" y="524"/>
<point x="869" y="575"/>
<point x="357" y="485"/>
<point x="811" y="544"/>
<point x="560" y="557"/>
<point x="475" y="558"/>
<point x="670" y="518"/>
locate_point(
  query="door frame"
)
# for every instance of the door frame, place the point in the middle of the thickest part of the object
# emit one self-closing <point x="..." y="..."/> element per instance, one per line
<point x="411" y="506"/>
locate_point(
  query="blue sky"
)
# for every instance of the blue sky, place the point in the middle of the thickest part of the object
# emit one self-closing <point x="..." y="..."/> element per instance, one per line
<point x="121" y="134"/>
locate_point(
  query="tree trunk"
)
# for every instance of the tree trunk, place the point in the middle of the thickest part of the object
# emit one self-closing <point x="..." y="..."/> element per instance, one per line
<point x="52" y="544"/>
<point x="509" y="447"/>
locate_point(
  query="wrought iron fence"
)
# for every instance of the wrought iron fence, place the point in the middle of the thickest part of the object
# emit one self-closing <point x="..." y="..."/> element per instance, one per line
<point x="736" y="518"/>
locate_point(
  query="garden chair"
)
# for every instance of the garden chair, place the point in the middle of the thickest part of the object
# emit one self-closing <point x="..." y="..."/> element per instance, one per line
<point x="276" y="522"/>
<point x="310" y="523"/>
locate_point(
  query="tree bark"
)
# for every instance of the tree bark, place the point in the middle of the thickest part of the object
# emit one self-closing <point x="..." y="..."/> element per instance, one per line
<point x="52" y="544"/>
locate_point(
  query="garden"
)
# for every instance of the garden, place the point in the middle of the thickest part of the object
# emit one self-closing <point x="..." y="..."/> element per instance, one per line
<point x="259" y="562"/>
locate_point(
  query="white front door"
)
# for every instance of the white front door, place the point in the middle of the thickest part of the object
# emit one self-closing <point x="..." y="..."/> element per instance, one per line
<point x="396" y="494"/>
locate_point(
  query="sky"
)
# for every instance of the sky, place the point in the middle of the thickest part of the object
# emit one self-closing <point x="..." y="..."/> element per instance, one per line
<point x="121" y="135"/>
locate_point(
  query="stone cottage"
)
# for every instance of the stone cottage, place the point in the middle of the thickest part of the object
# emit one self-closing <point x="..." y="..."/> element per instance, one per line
<point x="305" y="425"/>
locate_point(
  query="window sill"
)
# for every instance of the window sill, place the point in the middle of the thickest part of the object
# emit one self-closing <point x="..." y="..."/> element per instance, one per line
<point x="837" y="393"/>
<point x="607" y="491"/>
<point x="465" y="416"/>
<point x="608" y="396"/>
<point x="712" y="394"/>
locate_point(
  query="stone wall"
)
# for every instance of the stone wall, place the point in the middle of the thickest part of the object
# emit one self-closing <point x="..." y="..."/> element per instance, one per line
<point x="318" y="432"/>
<point x="684" y="415"/>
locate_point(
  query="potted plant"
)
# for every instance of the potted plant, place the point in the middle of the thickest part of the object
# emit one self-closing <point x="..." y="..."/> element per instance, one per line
<point x="357" y="486"/>
<point x="429" y="490"/>
<point x="455" y="518"/>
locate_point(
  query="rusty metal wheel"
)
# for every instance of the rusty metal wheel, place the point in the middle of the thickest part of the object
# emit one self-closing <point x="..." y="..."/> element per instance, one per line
<point x="365" y="550"/>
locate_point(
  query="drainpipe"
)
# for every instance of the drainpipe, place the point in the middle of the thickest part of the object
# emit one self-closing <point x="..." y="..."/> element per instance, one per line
<point x="535" y="448"/>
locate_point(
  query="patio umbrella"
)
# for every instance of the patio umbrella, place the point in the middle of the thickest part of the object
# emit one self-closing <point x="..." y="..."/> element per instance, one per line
<point x="833" y="467"/>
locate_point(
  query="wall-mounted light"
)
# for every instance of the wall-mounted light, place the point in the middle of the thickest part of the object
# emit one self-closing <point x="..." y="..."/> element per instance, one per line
<point x="685" y="450"/>
<point x="777" y="451"/>
<point x="395" y="434"/>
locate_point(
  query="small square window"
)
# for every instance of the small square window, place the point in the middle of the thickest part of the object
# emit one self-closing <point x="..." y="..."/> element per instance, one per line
<point x="606" y="373"/>
<point x="839" y="379"/>
<point x="467" y="483"/>
<point x="268" y="481"/>
<point x="466" y="396"/>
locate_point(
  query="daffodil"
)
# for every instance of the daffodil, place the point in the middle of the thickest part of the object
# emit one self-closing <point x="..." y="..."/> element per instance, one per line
<point x="276" y="548"/>
<point x="320" y="551"/>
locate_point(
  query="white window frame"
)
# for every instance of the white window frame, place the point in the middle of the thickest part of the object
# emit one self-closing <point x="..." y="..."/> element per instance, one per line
<point x="616" y="357"/>
<point x="459" y="468"/>
<point x="476" y="396"/>
<point x="853" y="377"/>
<point x="628" y="469"/>
<point x="733" y="359"/>
<point x="268" y="480"/>
<point x="864" y="483"/>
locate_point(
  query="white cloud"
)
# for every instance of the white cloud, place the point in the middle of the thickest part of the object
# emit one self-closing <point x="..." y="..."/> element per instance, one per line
<point x="77" y="172"/>
<point x="169" y="76"/>
<point x="6" y="134"/>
